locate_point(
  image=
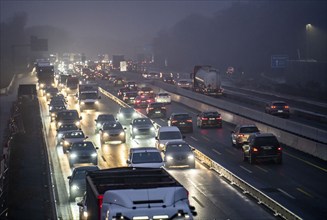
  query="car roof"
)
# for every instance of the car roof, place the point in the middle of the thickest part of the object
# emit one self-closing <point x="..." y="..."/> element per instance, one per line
<point x="263" y="135"/>
<point x="143" y="149"/>
<point x="168" y="128"/>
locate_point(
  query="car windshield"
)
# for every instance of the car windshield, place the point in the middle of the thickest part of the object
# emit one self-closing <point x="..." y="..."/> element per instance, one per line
<point x="89" y="95"/>
<point x="83" y="146"/>
<point x="108" y="126"/>
<point x="178" y="148"/>
<point x="249" y="130"/>
<point x="266" y="141"/>
<point x="147" y="157"/>
<point x="280" y="104"/>
<point x="68" y="115"/>
<point x="163" y="94"/>
<point x="67" y="127"/>
<point x="142" y="121"/>
<point x="75" y="134"/>
<point x="170" y="135"/>
<point x="211" y="114"/>
<point x="181" y="116"/>
<point x="156" y="105"/>
<point x="106" y="118"/>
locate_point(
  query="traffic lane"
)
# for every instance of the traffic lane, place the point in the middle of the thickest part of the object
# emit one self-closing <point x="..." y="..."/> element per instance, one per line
<point x="214" y="198"/>
<point x="277" y="181"/>
<point x="212" y="204"/>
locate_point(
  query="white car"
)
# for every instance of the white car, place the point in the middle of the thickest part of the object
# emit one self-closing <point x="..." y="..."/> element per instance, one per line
<point x="145" y="157"/>
<point x="163" y="97"/>
<point x="166" y="134"/>
<point x="185" y="83"/>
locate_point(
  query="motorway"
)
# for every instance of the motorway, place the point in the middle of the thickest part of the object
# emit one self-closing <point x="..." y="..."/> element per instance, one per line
<point x="298" y="184"/>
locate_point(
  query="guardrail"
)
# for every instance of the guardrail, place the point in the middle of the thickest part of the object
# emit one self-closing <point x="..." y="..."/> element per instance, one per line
<point x="301" y="137"/>
<point x="273" y="205"/>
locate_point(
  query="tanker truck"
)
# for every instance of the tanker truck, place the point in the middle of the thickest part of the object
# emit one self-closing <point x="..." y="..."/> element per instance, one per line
<point x="207" y="80"/>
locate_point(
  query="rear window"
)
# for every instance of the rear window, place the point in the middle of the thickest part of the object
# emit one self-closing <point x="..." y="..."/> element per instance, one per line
<point x="211" y="114"/>
<point x="181" y="116"/>
<point x="266" y="141"/>
<point x="249" y="130"/>
<point x="147" y="157"/>
<point x="170" y="135"/>
<point x="279" y="104"/>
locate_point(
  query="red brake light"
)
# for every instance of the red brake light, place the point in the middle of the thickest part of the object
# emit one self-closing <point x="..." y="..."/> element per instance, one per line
<point x="273" y="106"/>
<point x="173" y="121"/>
<point x="218" y="118"/>
<point x="204" y="118"/>
<point x="100" y="200"/>
<point x="189" y="120"/>
<point x="255" y="149"/>
<point x="279" y="149"/>
<point x="286" y="106"/>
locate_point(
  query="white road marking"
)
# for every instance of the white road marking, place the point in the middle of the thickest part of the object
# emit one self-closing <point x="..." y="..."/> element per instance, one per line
<point x="194" y="138"/>
<point x="285" y="193"/>
<point x="246" y="169"/>
<point x="162" y="119"/>
<point x="217" y="152"/>
<point x="204" y="137"/>
<point x="229" y="151"/>
<point x="260" y="168"/>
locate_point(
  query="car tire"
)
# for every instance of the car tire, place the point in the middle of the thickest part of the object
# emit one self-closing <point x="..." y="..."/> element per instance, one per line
<point x="233" y="142"/>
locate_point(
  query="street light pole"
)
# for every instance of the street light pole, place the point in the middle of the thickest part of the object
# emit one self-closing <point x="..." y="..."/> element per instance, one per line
<point x="308" y="28"/>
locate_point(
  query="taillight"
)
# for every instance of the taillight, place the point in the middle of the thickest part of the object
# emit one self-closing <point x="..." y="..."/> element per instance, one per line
<point x="273" y="106"/>
<point x="189" y="120"/>
<point x="286" y="106"/>
<point x="279" y="148"/>
<point x="100" y="200"/>
<point x="150" y="108"/>
<point x="204" y="119"/>
<point x="219" y="118"/>
<point x="173" y="121"/>
<point x="240" y="135"/>
<point x="137" y="101"/>
<point x="255" y="149"/>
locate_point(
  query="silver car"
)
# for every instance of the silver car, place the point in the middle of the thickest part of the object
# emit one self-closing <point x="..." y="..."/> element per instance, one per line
<point x="142" y="127"/>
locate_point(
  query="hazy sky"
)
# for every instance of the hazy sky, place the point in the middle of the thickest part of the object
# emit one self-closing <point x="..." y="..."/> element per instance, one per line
<point x="123" y="20"/>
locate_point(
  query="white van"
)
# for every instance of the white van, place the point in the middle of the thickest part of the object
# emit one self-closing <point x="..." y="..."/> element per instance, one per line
<point x="167" y="133"/>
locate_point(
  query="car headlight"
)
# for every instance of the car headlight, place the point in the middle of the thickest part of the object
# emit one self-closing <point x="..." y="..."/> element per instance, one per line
<point x="190" y="157"/>
<point x="41" y="85"/>
<point x="135" y="114"/>
<point x="94" y="154"/>
<point x="169" y="157"/>
<point x="96" y="102"/>
<point x="66" y="143"/>
<point x="59" y="124"/>
<point x="161" y="145"/>
<point x="82" y="103"/>
<point x="53" y="114"/>
<point x="75" y="187"/>
<point x="48" y="94"/>
<point x="122" y="133"/>
<point x="59" y="136"/>
<point x="152" y="128"/>
<point x="105" y="134"/>
<point x="135" y="129"/>
<point x="120" y="115"/>
<point x="73" y="156"/>
<point x="98" y="125"/>
<point x="77" y="123"/>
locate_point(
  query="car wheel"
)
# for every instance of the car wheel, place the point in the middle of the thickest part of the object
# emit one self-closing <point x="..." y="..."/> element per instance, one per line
<point x="233" y="144"/>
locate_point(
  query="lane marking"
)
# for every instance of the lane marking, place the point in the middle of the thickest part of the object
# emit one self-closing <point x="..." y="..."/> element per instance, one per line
<point x="285" y="193"/>
<point x="204" y="137"/>
<point x="304" y="192"/>
<point x="229" y="151"/>
<point x="194" y="138"/>
<point x="161" y="119"/>
<point x="217" y="152"/>
<point x="198" y="201"/>
<point x="246" y="169"/>
<point x="307" y="162"/>
<point x="260" y="168"/>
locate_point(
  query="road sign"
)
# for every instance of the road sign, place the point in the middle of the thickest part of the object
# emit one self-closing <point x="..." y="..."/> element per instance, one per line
<point x="279" y="61"/>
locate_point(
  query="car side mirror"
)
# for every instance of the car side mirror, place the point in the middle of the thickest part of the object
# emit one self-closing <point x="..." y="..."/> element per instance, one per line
<point x="163" y="151"/>
<point x="128" y="161"/>
<point x="95" y="120"/>
<point x="125" y="128"/>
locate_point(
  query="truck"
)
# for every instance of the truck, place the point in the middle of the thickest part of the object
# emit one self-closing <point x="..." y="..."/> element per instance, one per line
<point x="207" y="80"/>
<point x="134" y="193"/>
<point x="88" y="96"/>
<point x="45" y="74"/>
<point x="72" y="83"/>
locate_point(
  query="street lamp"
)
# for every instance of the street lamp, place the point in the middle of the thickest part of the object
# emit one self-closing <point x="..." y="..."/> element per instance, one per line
<point x="308" y="28"/>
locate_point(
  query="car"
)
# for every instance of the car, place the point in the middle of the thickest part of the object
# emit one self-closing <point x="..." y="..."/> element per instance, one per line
<point x="64" y="128"/>
<point x="59" y="97"/>
<point x="125" y="115"/>
<point x="71" y="137"/>
<point x="112" y="77"/>
<point x="121" y="92"/>
<point x="209" y="119"/>
<point x="142" y="101"/>
<point x="148" y="91"/>
<point x="181" y="120"/>
<point x="179" y="153"/>
<point x="119" y="81"/>
<point x="262" y="146"/>
<point x="166" y="134"/>
<point x="77" y="183"/>
<point x="163" y="97"/>
<point x="103" y="118"/>
<point x="82" y="152"/>
<point x="50" y="92"/>
<point x="169" y="80"/>
<point x="129" y="97"/>
<point x="68" y="117"/>
<point x="156" y="109"/>
<point x="185" y="83"/>
<point x="241" y="133"/>
<point x="279" y="108"/>
<point x="131" y="85"/>
<point x="145" y="157"/>
<point x="112" y="131"/>
<point x="142" y="127"/>
<point x="54" y="108"/>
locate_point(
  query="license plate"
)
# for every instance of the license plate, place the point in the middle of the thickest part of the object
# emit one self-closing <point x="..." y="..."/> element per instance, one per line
<point x="211" y="118"/>
<point x="280" y="110"/>
<point x="158" y="111"/>
<point x="131" y="98"/>
<point x="267" y="147"/>
<point x="182" y="123"/>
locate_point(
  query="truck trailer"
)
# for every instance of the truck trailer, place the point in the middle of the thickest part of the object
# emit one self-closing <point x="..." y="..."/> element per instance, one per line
<point x="207" y="80"/>
<point x="134" y="193"/>
<point x="45" y="75"/>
